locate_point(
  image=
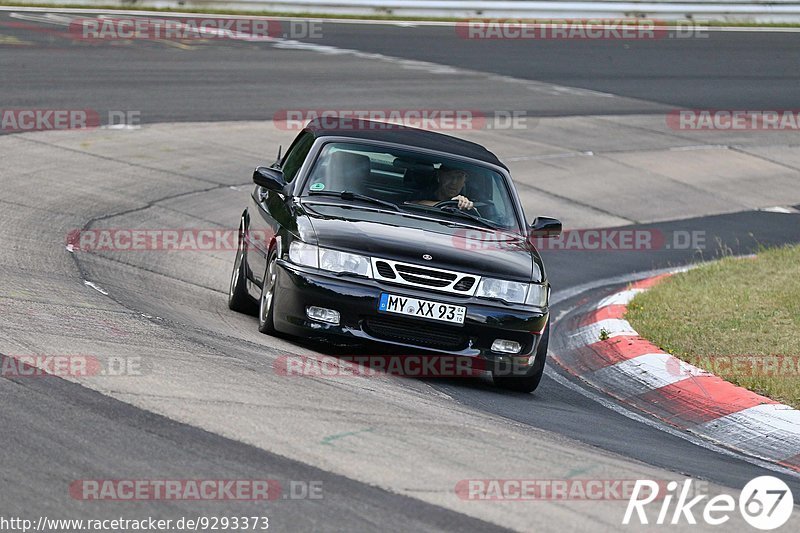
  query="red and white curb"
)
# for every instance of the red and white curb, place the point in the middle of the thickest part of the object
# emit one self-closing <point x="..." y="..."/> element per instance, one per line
<point x="636" y="372"/>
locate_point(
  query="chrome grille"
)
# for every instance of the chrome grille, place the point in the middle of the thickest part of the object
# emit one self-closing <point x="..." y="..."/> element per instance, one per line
<point x="424" y="277"/>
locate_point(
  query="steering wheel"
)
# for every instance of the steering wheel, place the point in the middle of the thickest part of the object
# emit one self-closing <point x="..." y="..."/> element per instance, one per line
<point x="454" y="203"/>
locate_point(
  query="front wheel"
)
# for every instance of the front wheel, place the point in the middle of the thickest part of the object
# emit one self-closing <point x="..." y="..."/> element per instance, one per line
<point x="266" y="306"/>
<point x="528" y="382"/>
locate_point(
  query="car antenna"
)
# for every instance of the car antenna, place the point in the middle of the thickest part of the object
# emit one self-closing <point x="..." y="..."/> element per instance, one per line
<point x="278" y="161"/>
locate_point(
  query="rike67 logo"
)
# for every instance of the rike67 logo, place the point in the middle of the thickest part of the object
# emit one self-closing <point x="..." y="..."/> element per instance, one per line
<point x="765" y="503"/>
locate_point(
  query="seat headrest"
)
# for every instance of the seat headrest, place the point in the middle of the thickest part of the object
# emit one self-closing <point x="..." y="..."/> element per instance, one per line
<point x="347" y="171"/>
<point x="416" y="174"/>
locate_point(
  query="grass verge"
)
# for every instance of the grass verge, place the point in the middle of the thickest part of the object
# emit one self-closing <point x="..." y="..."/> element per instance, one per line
<point x="738" y="318"/>
<point x="387" y="16"/>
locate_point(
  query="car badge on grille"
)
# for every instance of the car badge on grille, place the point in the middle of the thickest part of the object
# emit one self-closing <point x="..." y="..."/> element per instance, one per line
<point x="427" y="257"/>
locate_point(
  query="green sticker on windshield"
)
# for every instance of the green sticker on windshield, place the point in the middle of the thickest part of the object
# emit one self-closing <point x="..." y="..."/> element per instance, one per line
<point x="317" y="186"/>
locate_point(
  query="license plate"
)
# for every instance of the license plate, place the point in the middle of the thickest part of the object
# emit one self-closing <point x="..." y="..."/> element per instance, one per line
<point x="404" y="305"/>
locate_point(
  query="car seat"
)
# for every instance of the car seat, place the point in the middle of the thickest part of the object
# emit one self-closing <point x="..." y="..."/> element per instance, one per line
<point x="347" y="171"/>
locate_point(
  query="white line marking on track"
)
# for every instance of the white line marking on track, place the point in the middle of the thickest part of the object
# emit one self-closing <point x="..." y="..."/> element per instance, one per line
<point x="699" y="147"/>
<point x="549" y="156"/>
<point x="560" y="296"/>
<point x="780" y="209"/>
<point x="96" y="287"/>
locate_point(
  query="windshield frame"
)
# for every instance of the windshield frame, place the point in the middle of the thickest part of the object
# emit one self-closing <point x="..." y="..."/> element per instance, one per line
<point x="304" y="174"/>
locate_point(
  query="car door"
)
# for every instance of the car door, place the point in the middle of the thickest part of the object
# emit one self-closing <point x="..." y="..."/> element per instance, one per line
<point x="268" y="209"/>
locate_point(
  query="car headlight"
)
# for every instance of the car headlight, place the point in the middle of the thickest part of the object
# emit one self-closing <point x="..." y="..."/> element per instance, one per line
<point x="305" y="254"/>
<point x="513" y="292"/>
<point x="337" y="261"/>
<point x="537" y="295"/>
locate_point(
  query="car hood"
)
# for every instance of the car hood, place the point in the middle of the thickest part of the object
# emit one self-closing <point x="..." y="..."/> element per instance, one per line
<point x="387" y="235"/>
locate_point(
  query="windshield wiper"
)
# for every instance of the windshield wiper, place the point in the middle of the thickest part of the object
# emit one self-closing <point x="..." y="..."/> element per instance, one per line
<point x="347" y="195"/>
<point x="454" y="211"/>
<point x="466" y="214"/>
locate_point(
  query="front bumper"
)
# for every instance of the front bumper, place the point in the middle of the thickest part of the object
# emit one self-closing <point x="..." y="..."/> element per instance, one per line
<point x="357" y="299"/>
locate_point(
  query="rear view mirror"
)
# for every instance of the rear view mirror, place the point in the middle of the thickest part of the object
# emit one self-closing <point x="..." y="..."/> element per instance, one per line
<point x="545" y="227"/>
<point x="269" y="178"/>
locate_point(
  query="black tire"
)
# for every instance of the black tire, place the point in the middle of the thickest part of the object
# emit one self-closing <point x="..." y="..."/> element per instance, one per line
<point x="266" y="303"/>
<point x="238" y="298"/>
<point x="529" y="382"/>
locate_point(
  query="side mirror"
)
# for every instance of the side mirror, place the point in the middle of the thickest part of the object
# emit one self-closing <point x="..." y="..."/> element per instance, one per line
<point x="269" y="178"/>
<point x="545" y="227"/>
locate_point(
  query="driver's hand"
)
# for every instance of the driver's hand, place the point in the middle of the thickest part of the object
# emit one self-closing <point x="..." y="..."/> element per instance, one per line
<point x="463" y="202"/>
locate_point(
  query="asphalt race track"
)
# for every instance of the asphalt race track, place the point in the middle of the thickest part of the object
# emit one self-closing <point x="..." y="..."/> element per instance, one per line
<point x="204" y="81"/>
<point x="388" y="452"/>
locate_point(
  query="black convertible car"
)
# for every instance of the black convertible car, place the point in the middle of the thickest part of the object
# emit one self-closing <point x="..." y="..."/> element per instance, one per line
<point x="369" y="232"/>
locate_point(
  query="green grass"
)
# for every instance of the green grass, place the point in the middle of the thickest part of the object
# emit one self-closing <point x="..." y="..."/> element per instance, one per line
<point x="738" y="318"/>
<point x="372" y="16"/>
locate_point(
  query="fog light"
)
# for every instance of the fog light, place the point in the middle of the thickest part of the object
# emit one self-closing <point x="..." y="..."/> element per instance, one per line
<point x="323" y="315"/>
<point x="506" y="346"/>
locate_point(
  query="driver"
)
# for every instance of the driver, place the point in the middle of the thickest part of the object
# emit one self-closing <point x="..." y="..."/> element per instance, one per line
<point x="449" y="184"/>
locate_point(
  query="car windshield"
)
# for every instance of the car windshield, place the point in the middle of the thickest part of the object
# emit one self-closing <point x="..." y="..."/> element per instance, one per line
<point x="414" y="182"/>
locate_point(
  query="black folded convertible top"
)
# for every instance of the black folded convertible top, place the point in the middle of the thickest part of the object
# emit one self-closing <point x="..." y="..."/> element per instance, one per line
<point x="405" y="135"/>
